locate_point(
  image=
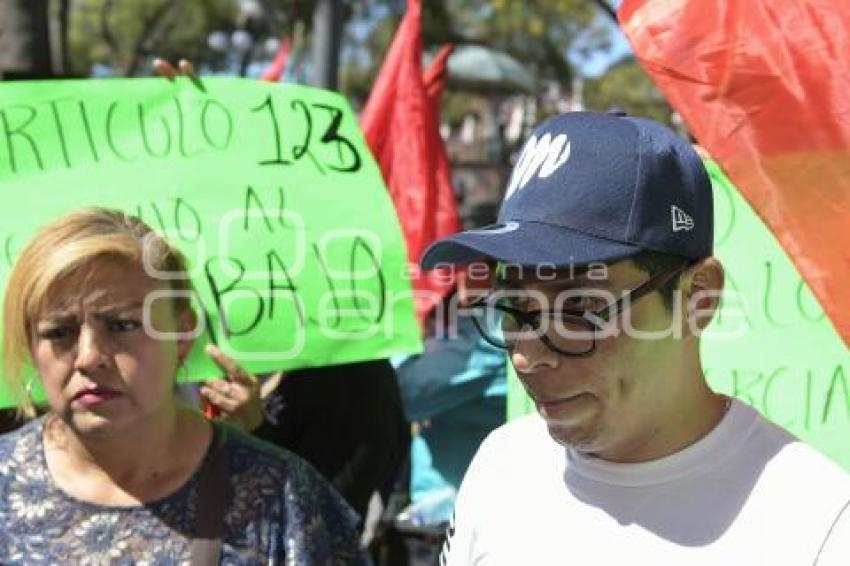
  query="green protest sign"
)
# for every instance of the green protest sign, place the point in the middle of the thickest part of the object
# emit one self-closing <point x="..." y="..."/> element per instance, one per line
<point x="295" y="250"/>
<point x="771" y="344"/>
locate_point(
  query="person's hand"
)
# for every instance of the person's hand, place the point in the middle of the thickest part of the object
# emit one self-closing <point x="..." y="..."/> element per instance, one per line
<point x="185" y="68"/>
<point x="165" y="69"/>
<point x="237" y="397"/>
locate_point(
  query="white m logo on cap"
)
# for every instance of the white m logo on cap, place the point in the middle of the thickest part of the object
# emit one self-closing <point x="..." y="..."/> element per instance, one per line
<point x="539" y="157"/>
<point x="681" y="221"/>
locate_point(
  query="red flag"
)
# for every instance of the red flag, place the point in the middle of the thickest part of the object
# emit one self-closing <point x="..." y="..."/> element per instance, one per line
<point x="401" y="126"/>
<point x="278" y="66"/>
<point x="765" y="88"/>
<point x="445" y="220"/>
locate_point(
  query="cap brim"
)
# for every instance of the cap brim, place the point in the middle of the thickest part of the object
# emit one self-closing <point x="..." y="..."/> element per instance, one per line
<point x="525" y="243"/>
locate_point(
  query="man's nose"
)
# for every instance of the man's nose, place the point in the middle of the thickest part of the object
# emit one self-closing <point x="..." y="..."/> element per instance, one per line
<point x="93" y="350"/>
<point x="530" y="355"/>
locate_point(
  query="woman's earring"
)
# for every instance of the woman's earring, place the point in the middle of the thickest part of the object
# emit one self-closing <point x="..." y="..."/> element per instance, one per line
<point x="29" y="411"/>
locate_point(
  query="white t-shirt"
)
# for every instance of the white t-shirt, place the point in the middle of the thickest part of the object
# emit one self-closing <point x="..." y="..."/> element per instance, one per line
<point x="747" y="493"/>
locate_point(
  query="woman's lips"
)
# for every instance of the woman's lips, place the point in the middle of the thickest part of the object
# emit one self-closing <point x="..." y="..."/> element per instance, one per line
<point x="95" y="396"/>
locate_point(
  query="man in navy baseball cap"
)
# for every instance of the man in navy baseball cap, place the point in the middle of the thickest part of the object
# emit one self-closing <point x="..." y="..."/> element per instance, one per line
<point x="595" y="187"/>
<point x="605" y="281"/>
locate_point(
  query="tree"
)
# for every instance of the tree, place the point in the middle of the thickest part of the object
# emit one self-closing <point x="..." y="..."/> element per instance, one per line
<point x="124" y="35"/>
<point x="24" y="39"/>
<point x="628" y="86"/>
<point x="606" y="9"/>
<point x="63" y="15"/>
<point x="539" y="33"/>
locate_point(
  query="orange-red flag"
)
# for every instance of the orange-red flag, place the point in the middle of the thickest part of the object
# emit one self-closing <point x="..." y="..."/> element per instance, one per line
<point x="765" y="88"/>
<point x="278" y="65"/>
<point x="401" y="126"/>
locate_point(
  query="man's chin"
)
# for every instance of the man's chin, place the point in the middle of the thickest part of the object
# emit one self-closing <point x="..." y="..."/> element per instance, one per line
<point x="578" y="438"/>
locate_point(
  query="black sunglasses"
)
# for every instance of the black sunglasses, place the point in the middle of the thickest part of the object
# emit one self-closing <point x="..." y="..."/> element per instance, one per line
<point x="576" y="332"/>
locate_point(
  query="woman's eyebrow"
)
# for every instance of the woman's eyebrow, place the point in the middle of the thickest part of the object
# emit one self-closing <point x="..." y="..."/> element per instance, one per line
<point x="56" y="317"/>
<point x="113" y="309"/>
<point x="64" y="316"/>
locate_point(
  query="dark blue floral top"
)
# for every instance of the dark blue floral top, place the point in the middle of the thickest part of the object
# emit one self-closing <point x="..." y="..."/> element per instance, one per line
<point x="279" y="511"/>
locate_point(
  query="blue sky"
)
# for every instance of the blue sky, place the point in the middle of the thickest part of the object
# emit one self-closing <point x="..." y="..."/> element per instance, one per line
<point x="592" y="66"/>
<point x="599" y="62"/>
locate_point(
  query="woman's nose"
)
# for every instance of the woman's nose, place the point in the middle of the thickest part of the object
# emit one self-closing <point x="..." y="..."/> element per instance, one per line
<point x="92" y="349"/>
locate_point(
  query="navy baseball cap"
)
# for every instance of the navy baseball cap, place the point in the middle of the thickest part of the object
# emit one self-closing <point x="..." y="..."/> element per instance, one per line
<point x="591" y="187"/>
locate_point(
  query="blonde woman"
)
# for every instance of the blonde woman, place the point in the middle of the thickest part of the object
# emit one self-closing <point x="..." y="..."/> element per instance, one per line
<point x="117" y="471"/>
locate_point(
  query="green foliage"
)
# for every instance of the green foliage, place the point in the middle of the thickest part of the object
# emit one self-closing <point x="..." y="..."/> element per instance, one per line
<point x="627" y="85"/>
<point x="537" y="32"/>
<point x="125" y="34"/>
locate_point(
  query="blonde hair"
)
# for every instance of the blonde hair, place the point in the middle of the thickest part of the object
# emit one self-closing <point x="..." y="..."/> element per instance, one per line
<point x="69" y="244"/>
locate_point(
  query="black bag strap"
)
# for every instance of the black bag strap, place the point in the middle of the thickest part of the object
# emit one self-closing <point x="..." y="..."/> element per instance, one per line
<point x="212" y="494"/>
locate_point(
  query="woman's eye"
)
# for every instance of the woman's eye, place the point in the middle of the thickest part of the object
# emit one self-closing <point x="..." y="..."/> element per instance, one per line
<point x="123" y="325"/>
<point x="56" y="333"/>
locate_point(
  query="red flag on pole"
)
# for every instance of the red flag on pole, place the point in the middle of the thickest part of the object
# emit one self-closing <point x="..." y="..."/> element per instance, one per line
<point x="278" y="65"/>
<point x="445" y="219"/>
<point x="765" y="88"/>
<point x="401" y="126"/>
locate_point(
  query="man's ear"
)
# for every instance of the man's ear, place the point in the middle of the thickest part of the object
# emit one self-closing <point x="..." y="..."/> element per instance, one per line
<point x="702" y="288"/>
<point x="186" y="324"/>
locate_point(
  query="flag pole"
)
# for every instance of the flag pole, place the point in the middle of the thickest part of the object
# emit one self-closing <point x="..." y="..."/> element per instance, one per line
<point x="326" y="26"/>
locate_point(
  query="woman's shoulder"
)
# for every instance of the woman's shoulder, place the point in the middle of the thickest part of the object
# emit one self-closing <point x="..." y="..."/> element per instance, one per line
<point x="247" y="453"/>
<point x="20" y="447"/>
<point x="314" y="516"/>
<point x="259" y="464"/>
